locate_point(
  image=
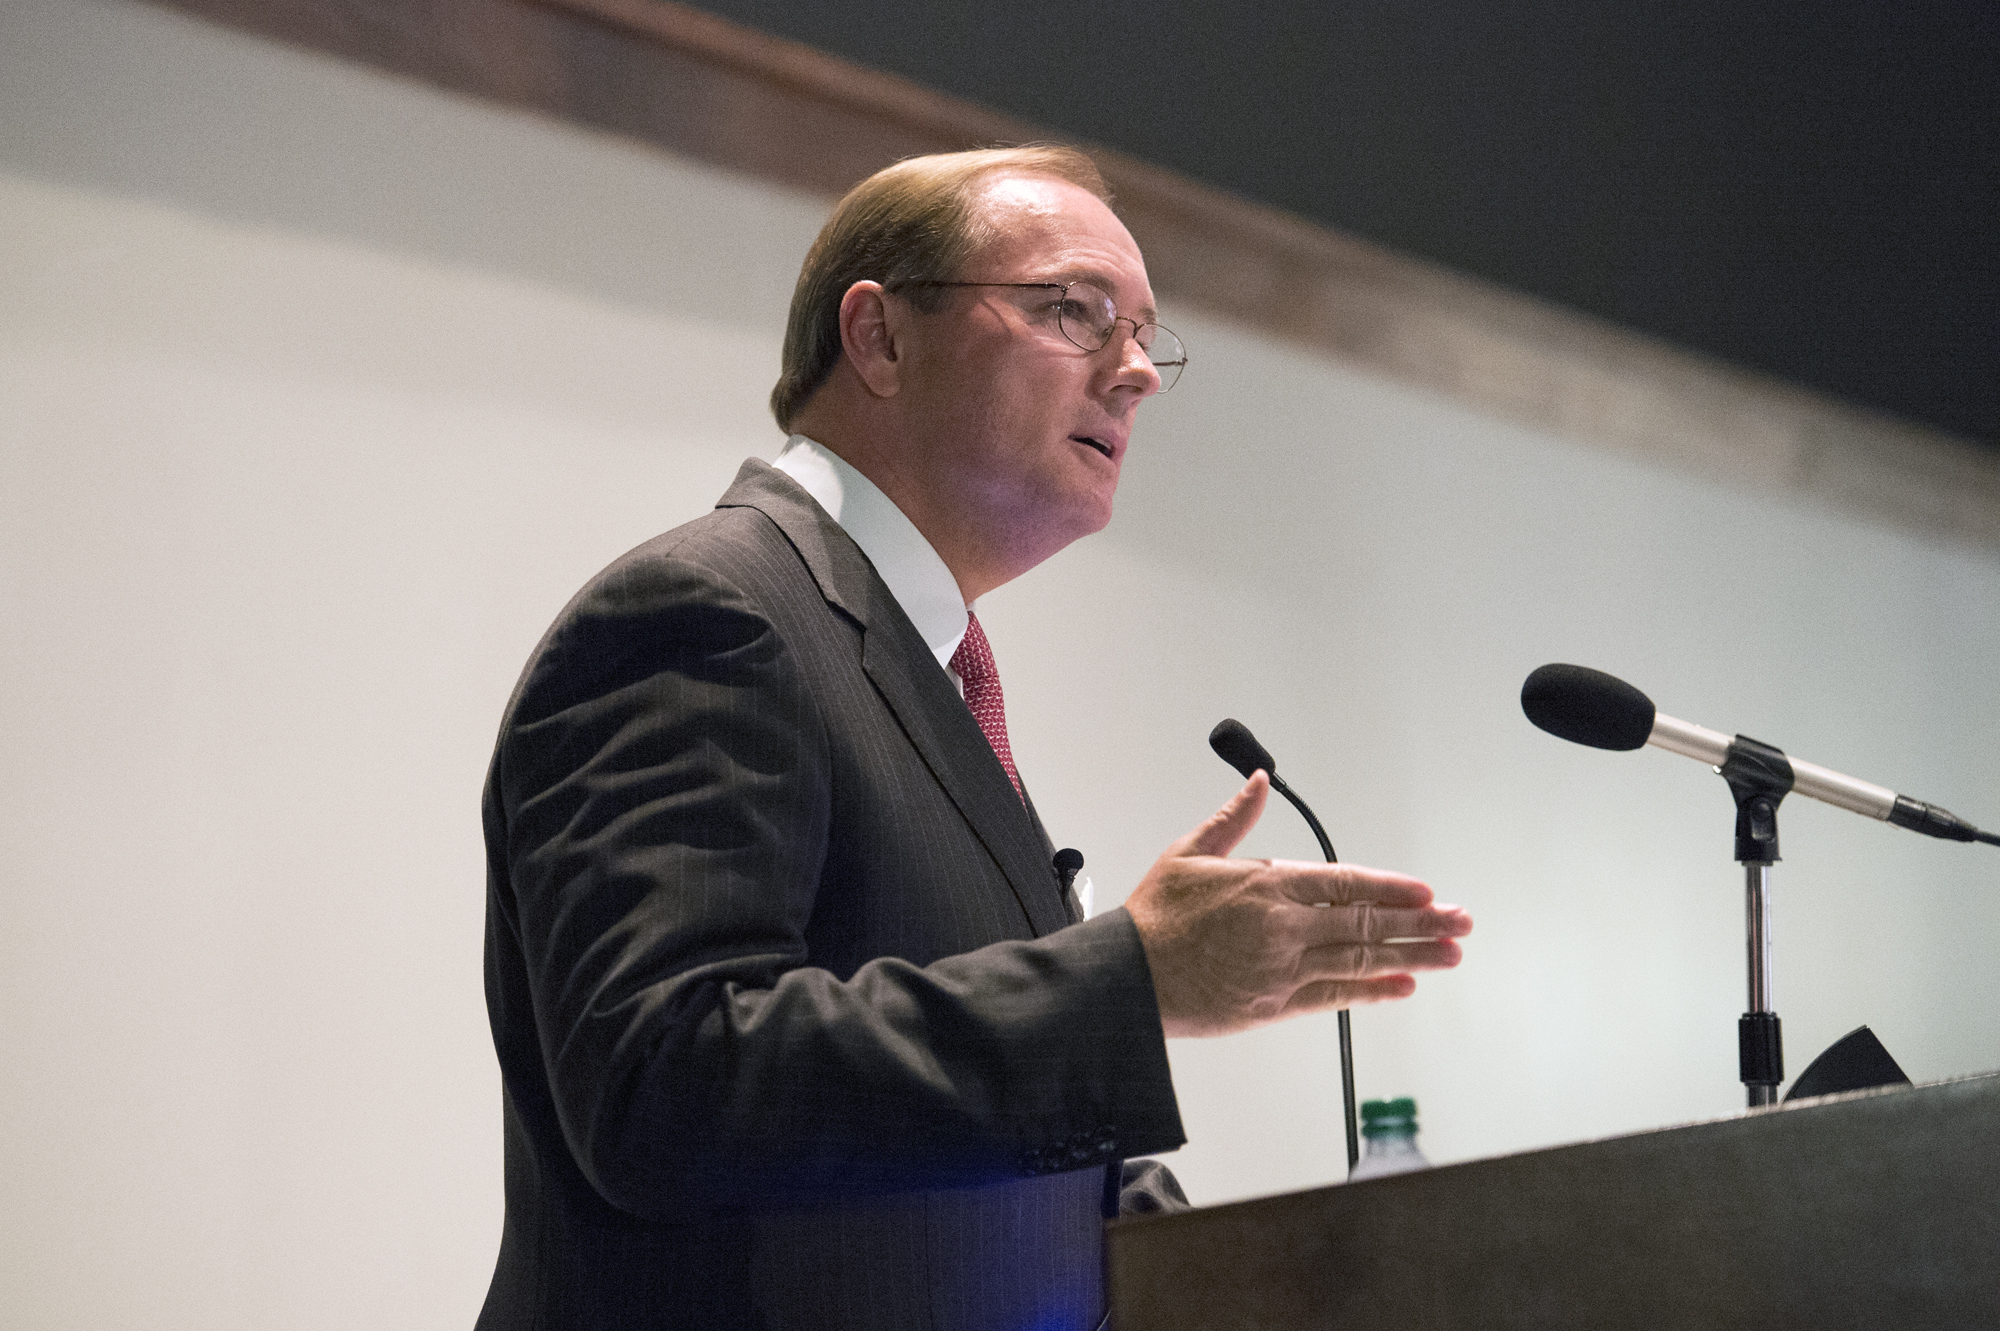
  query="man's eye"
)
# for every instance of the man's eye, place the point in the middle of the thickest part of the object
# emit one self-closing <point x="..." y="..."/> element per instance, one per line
<point x="1084" y="321"/>
<point x="1056" y="310"/>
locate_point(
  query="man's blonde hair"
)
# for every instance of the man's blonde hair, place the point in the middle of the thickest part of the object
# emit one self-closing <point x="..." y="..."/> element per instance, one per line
<point x="911" y="222"/>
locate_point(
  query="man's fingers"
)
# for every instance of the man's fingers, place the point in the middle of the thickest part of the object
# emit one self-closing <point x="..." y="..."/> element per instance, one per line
<point x="1237" y="943"/>
<point x="1227" y="826"/>
<point x="1326" y="994"/>
<point x="1367" y="923"/>
<point x="1344" y="884"/>
<point x="1366" y="961"/>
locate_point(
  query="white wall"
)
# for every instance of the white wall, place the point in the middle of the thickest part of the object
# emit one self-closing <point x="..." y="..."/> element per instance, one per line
<point x="319" y="392"/>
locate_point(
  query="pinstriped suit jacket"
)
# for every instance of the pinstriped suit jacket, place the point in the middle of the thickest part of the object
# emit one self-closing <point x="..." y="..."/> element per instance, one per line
<point x="793" y="1028"/>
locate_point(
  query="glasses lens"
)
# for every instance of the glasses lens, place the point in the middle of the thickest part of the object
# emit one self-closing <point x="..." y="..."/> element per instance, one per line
<point x="1087" y="316"/>
<point x="1169" y="357"/>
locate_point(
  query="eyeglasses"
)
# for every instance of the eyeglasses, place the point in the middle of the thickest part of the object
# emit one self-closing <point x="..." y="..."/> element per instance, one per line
<point x="1087" y="316"/>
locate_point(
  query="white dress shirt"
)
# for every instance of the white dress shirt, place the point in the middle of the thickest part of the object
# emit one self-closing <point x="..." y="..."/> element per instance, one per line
<point x="914" y="571"/>
<point x="911" y="567"/>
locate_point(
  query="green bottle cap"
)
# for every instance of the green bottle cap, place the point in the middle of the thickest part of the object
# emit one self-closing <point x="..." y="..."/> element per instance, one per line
<point x="1379" y="1118"/>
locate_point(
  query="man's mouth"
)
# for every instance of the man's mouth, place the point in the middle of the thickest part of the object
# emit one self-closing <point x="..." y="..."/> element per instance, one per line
<point x="1097" y="444"/>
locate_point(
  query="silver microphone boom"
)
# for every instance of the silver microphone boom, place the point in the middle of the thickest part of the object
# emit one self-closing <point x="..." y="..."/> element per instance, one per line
<point x="1590" y="707"/>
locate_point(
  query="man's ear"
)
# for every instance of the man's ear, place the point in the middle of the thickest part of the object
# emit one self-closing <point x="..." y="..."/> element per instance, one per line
<point x="869" y="334"/>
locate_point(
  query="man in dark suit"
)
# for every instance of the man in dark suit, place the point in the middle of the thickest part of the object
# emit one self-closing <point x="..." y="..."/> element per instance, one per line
<point x="796" y="1023"/>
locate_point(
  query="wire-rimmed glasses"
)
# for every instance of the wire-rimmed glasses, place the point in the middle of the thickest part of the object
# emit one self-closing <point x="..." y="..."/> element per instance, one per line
<point x="1088" y="317"/>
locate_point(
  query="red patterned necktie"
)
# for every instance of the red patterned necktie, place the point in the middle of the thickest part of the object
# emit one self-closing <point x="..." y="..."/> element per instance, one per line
<point x="973" y="664"/>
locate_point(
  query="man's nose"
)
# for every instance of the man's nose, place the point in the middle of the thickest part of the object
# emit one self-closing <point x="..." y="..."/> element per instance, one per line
<point x="1133" y="359"/>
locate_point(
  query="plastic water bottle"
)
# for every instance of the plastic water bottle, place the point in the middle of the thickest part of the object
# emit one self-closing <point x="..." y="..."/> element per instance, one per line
<point x="1390" y="1129"/>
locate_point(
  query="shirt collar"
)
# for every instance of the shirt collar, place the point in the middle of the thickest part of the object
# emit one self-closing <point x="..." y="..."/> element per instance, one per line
<point x="912" y="569"/>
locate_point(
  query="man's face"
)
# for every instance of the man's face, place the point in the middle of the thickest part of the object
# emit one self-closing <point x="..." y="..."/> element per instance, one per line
<point x="1024" y="432"/>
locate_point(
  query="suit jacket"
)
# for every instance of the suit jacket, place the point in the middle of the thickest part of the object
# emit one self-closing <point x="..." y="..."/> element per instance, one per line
<point x="794" y="1029"/>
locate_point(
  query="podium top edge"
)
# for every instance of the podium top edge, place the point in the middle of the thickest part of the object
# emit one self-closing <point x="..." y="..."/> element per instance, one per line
<point x="1766" y="1112"/>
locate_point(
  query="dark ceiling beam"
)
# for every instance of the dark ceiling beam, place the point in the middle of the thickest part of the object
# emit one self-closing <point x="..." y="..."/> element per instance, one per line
<point x="709" y="89"/>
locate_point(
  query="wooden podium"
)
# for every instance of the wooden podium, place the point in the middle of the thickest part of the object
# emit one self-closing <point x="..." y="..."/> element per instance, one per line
<point x="1872" y="1209"/>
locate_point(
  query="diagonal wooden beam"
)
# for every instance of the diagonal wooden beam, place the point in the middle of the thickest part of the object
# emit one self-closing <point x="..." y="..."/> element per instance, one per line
<point x="707" y="88"/>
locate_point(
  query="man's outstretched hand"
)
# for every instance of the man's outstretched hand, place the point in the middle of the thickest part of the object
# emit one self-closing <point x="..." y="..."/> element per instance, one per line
<point x="1238" y="943"/>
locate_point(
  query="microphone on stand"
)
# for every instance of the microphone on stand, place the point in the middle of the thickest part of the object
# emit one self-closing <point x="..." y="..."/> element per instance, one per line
<point x="1590" y="707"/>
<point x="1235" y="745"/>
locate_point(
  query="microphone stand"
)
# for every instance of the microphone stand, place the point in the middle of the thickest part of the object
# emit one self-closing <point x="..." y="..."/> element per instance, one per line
<point x="1346" y="1031"/>
<point x="1759" y="776"/>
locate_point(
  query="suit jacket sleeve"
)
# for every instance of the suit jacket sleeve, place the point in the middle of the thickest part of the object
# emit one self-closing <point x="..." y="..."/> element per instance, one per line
<point x="658" y="815"/>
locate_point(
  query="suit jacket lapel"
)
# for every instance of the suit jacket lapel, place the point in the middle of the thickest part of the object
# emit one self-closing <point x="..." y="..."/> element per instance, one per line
<point x="905" y="672"/>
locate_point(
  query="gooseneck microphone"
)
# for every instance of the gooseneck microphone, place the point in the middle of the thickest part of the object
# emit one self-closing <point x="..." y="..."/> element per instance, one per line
<point x="1590" y="707"/>
<point x="1235" y="745"/>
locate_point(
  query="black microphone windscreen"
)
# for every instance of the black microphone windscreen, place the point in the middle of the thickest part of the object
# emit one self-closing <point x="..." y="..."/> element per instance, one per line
<point x="1587" y="706"/>
<point x="1068" y="860"/>
<point x="1235" y="745"/>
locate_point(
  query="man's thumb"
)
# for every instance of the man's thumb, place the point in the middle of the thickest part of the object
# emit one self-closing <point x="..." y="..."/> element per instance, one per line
<point x="1223" y="830"/>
